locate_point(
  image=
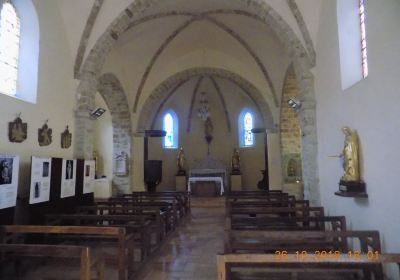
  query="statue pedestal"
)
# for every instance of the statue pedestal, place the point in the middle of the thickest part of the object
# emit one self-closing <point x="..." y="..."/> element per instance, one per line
<point x="181" y="183"/>
<point x="236" y="182"/>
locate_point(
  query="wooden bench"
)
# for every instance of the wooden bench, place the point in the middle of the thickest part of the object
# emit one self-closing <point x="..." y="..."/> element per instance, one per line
<point x="335" y="223"/>
<point x="163" y="204"/>
<point x="312" y="267"/>
<point x="160" y="219"/>
<point x="291" y="241"/>
<point x="166" y="209"/>
<point x="22" y="251"/>
<point x="138" y="226"/>
<point x="182" y="197"/>
<point x="122" y="242"/>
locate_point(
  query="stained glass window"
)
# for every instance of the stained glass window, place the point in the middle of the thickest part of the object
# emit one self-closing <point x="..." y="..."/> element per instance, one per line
<point x="170" y="125"/>
<point x="363" y="40"/>
<point x="9" y="48"/>
<point x="245" y="125"/>
<point x="248" y="126"/>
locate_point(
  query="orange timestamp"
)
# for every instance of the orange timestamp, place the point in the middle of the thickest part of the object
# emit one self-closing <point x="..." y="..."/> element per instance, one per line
<point x="325" y="255"/>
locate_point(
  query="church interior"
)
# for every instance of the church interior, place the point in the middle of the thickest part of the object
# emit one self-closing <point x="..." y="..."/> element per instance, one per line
<point x="199" y="139"/>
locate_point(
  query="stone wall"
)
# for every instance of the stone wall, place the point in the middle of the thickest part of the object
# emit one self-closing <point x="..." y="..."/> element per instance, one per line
<point x="290" y="125"/>
<point x="290" y="132"/>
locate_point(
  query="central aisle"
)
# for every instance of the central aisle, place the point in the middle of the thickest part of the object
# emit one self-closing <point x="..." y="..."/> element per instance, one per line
<point x="191" y="251"/>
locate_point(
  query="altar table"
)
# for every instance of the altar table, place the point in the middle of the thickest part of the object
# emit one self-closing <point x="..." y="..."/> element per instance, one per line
<point x="207" y="179"/>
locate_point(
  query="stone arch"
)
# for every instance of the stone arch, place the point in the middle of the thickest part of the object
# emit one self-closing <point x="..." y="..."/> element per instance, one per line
<point x="94" y="62"/>
<point x="161" y="92"/>
<point x="114" y="96"/>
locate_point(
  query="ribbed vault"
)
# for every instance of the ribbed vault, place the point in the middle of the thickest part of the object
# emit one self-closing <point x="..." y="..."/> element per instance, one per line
<point x="160" y="95"/>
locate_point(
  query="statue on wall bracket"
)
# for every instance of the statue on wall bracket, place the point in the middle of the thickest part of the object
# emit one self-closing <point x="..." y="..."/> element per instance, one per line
<point x="17" y="130"/>
<point x="66" y="139"/>
<point x="351" y="179"/>
<point x="180" y="162"/>
<point x="45" y="135"/>
<point x="235" y="162"/>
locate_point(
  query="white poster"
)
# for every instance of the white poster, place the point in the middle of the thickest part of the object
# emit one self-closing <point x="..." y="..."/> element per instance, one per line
<point x="40" y="180"/>
<point x="9" y="169"/>
<point x="88" y="176"/>
<point x="68" y="178"/>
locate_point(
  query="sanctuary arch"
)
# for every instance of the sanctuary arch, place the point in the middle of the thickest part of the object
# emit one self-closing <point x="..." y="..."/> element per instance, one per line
<point x="114" y="96"/>
<point x="302" y="62"/>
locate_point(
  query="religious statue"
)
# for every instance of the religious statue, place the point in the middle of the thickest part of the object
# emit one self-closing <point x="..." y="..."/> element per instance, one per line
<point x="235" y="162"/>
<point x="17" y="130"/>
<point x="66" y="139"/>
<point x="45" y="135"/>
<point x="180" y="162"/>
<point x="350" y="156"/>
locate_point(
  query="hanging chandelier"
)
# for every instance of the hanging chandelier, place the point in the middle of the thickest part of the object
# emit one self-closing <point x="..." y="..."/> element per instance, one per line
<point x="203" y="112"/>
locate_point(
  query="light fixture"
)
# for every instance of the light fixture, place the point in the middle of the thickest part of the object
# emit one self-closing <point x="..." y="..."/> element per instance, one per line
<point x="294" y="103"/>
<point x="96" y="113"/>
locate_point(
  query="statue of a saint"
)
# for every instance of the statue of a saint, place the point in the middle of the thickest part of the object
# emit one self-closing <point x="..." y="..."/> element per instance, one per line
<point x="350" y="156"/>
<point x="235" y="162"/>
<point x="45" y="135"/>
<point x="180" y="162"/>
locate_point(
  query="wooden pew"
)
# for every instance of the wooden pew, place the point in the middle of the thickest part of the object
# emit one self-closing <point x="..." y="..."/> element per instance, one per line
<point x="123" y="242"/>
<point x="138" y="226"/>
<point x="176" y="200"/>
<point x="314" y="244"/>
<point x="166" y="209"/>
<point x="182" y="197"/>
<point x="150" y="213"/>
<point x="21" y="251"/>
<point x="312" y="267"/>
<point x="335" y="223"/>
<point x="163" y="204"/>
<point x="291" y="241"/>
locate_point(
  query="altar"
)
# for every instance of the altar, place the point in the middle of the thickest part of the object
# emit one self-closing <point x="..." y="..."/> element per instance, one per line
<point x="208" y="170"/>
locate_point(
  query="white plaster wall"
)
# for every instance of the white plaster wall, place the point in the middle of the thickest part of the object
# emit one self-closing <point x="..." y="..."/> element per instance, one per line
<point x="103" y="139"/>
<point x="371" y="107"/>
<point x="55" y="101"/>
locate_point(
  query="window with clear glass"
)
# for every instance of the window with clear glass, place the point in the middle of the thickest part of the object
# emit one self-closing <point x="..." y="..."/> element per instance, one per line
<point x="245" y="125"/>
<point x="170" y="125"/>
<point x="9" y="48"/>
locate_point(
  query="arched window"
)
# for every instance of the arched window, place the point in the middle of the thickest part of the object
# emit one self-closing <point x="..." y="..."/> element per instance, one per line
<point x="170" y="125"/>
<point x="352" y="41"/>
<point x="19" y="49"/>
<point x="9" y="48"/>
<point x="246" y="124"/>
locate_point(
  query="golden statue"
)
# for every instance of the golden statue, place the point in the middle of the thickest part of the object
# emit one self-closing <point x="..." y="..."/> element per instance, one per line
<point x="235" y="162"/>
<point x="180" y="162"/>
<point x="350" y="156"/>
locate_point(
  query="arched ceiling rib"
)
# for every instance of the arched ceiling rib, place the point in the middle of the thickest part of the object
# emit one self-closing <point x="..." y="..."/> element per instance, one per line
<point x="223" y="103"/>
<point x="196" y="17"/>
<point x="200" y="74"/>
<point x="306" y="27"/>
<point x="193" y="99"/>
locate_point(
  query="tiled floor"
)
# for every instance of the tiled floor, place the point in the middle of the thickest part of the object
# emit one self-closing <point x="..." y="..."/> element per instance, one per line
<point x="190" y="254"/>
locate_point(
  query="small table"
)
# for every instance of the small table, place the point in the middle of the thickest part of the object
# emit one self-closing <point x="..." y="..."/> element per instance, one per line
<point x="207" y="179"/>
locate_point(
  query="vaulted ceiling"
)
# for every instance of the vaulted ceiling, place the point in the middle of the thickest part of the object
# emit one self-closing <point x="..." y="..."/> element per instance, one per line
<point x="181" y="34"/>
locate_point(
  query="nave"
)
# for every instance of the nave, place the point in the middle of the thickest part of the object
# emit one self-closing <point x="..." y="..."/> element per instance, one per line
<point x="191" y="251"/>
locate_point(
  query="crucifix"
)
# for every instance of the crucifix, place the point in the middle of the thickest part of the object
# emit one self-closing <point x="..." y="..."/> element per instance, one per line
<point x="264" y="183"/>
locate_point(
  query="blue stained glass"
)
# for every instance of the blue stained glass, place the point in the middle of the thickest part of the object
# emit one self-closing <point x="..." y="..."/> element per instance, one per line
<point x="169" y="128"/>
<point x="248" y="126"/>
